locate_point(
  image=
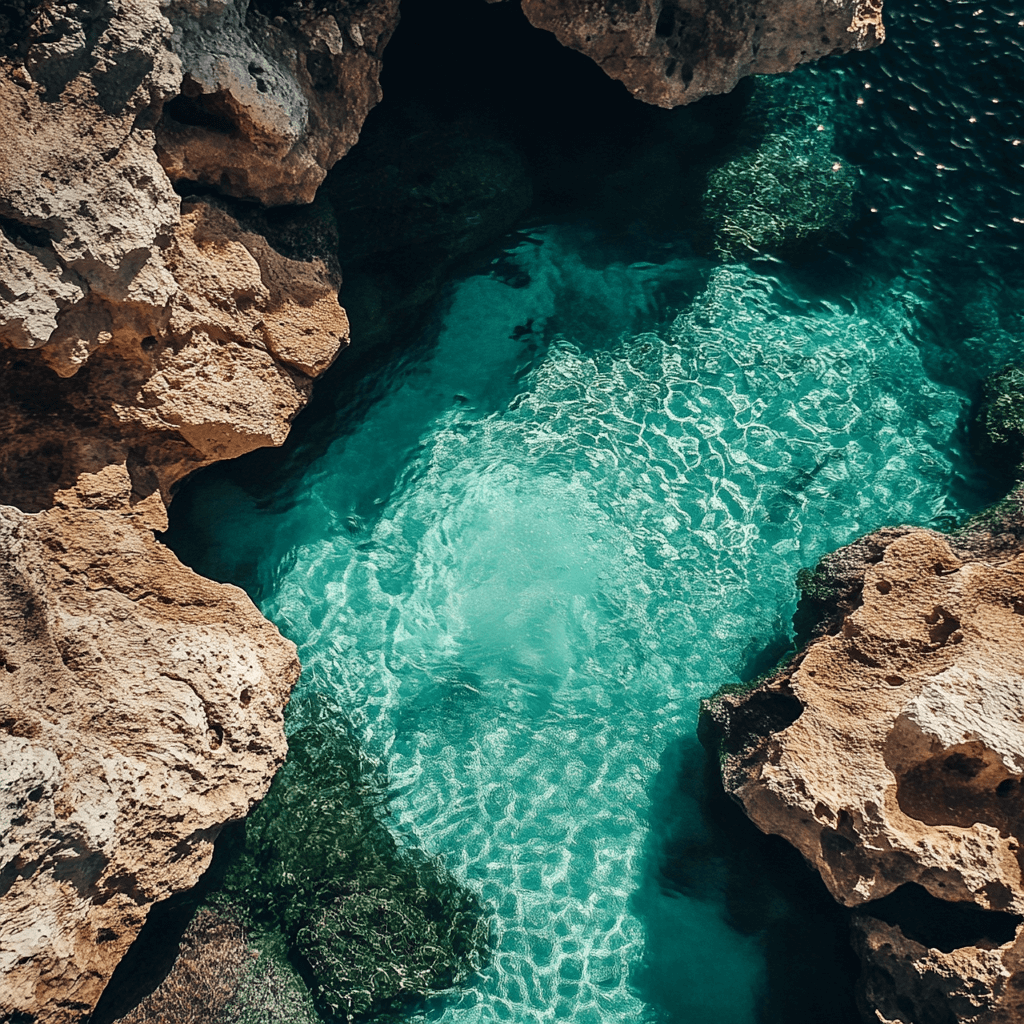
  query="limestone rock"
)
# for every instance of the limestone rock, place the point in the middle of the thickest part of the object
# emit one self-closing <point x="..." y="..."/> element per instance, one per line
<point x="90" y="226"/>
<point x="906" y="982"/>
<point x="268" y="105"/>
<point x="890" y="751"/>
<point x="84" y="204"/>
<point x="141" y="710"/>
<point x="220" y="370"/>
<point x="671" y="52"/>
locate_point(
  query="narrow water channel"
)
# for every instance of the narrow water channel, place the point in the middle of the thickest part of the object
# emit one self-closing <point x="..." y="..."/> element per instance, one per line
<point x="518" y="550"/>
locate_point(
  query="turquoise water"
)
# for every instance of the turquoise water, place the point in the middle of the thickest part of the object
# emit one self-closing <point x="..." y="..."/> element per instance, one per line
<point x="522" y="549"/>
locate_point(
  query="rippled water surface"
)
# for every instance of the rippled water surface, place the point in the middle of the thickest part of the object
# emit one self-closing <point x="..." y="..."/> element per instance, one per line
<point x="521" y="551"/>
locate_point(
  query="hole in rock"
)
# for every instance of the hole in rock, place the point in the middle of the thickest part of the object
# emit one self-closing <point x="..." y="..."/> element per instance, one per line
<point x="942" y="924"/>
<point x="201" y="111"/>
<point x="762" y="713"/>
<point x="215" y="736"/>
<point x="944" y="624"/>
<point x="17" y="232"/>
<point x="883" y="586"/>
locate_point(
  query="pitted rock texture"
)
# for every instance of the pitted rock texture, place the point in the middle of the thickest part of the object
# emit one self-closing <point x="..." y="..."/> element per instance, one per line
<point x="90" y="225"/>
<point x="85" y="207"/>
<point x="891" y="749"/>
<point x="273" y="94"/>
<point x="906" y="982"/>
<point x="141" y="709"/>
<point x="671" y="52"/>
<point x="220" y="370"/>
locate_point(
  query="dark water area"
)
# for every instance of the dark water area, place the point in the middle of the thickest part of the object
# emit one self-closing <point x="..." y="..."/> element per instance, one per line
<point x="566" y="495"/>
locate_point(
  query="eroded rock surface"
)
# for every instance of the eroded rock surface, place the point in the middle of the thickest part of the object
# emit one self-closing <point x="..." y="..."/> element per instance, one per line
<point x="273" y="94"/>
<point x="91" y="235"/>
<point x="220" y="370"/>
<point x="671" y="52"/>
<point x="141" y="709"/>
<point x="890" y="752"/>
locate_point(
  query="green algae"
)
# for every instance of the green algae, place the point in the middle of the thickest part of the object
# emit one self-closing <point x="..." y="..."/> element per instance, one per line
<point x="781" y="187"/>
<point x="368" y="925"/>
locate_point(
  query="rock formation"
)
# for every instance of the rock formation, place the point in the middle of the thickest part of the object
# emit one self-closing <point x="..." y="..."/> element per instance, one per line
<point x="141" y="709"/>
<point x="671" y="52"/>
<point x="890" y="752"/>
<point x="143" y="336"/>
<point x="272" y="94"/>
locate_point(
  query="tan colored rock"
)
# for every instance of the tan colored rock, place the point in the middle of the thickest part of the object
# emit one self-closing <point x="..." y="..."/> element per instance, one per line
<point x="220" y="370"/>
<point x="891" y="751"/>
<point x="906" y="982"/>
<point x="671" y="52"/>
<point x="268" y="106"/>
<point x="86" y="204"/>
<point x="141" y="709"/>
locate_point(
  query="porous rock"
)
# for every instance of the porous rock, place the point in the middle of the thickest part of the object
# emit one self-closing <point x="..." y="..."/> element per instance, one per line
<point x="220" y="370"/>
<point x="890" y="752"/>
<point x="91" y="236"/>
<point x="671" y="52"/>
<point x="141" y="709"/>
<point x="273" y="94"/>
<point x="85" y="207"/>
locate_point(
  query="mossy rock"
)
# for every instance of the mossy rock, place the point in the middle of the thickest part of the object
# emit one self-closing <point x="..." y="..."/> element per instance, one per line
<point x="997" y="433"/>
<point x="369" y="924"/>
<point x="781" y="187"/>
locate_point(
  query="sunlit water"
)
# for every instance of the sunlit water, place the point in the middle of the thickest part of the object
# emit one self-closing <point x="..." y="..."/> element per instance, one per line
<point x="534" y="541"/>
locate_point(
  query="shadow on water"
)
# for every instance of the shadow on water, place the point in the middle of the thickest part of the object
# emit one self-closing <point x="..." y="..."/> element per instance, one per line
<point x="702" y="850"/>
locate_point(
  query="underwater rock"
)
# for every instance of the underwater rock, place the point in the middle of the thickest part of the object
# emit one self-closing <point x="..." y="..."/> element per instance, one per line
<point x="890" y="750"/>
<point x="375" y="924"/>
<point x="141" y="710"/>
<point x="220" y="370"/>
<point x="417" y="194"/>
<point x="273" y="93"/>
<point x="997" y="433"/>
<point x="671" y="52"/>
<point x="781" y="186"/>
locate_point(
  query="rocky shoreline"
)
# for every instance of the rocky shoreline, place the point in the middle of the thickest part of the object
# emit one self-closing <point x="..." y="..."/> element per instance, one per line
<point x="889" y="750"/>
<point x="169" y="278"/>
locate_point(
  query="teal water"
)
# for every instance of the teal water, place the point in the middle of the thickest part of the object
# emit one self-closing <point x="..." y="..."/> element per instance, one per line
<point x="519" y="551"/>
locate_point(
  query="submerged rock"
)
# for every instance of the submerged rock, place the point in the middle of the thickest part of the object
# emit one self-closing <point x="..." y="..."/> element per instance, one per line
<point x="141" y="710"/>
<point x="997" y="432"/>
<point x="375" y="924"/>
<point x="671" y="52"/>
<point x="781" y="186"/>
<point x="890" y="752"/>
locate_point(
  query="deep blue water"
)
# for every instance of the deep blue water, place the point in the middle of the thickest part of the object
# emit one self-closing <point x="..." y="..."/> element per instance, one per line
<point x="522" y="549"/>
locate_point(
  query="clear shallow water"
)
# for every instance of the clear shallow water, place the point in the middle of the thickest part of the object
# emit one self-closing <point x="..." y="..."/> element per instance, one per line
<point x="520" y="552"/>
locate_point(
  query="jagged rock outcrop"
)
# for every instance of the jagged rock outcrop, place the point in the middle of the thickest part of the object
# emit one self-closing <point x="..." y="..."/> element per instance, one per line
<point x="890" y="752"/>
<point x="273" y="94"/>
<point x="141" y="337"/>
<point x="141" y="709"/>
<point x="90" y="225"/>
<point x="221" y="369"/>
<point x="672" y="52"/>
